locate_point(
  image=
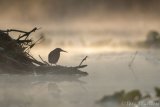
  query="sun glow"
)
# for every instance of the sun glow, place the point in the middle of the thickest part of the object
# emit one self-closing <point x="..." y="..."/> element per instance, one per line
<point x="79" y="50"/>
<point x="97" y="50"/>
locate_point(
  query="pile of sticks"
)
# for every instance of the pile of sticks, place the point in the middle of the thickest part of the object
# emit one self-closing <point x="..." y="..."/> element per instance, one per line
<point x="15" y="53"/>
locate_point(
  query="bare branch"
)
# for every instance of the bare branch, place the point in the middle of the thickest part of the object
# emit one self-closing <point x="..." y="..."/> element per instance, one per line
<point x="24" y="41"/>
<point x="43" y="60"/>
<point x="130" y="64"/>
<point x="83" y="60"/>
<point x="34" y="60"/>
<point x="13" y="30"/>
<point x="28" y="33"/>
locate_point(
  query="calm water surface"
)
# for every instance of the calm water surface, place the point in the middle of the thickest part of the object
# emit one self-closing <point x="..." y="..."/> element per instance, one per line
<point x="107" y="73"/>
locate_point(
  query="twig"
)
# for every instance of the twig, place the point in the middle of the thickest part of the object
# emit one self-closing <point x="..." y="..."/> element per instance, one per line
<point x="13" y="30"/>
<point x="24" y="41"/>
<point x="34" y="60"/>
<point x="28" y="33"/>
<point x="83" y="60"/>
<point x="43" y="60"/>
<point x="32" y="45"/>
<point x="130" y="64"/>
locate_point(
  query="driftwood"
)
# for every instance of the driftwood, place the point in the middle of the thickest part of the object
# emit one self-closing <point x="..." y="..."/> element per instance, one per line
<point x="59" y="70"/>
<point x="15" y="56"/>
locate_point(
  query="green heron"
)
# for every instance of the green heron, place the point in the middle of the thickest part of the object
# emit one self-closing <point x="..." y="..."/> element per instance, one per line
<point x="54" y="55"/>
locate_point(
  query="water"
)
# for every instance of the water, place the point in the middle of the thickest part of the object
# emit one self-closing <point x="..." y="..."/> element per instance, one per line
<point x="108" y="72"/>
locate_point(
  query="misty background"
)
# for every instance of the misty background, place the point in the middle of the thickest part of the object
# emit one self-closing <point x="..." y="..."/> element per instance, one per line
<point x="71" y="10"/>
<point x="108" y="31"/>
<point x="91" y="25"/>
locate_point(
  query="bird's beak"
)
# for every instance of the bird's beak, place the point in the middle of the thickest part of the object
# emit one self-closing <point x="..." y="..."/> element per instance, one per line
<point x="64" y="51"/>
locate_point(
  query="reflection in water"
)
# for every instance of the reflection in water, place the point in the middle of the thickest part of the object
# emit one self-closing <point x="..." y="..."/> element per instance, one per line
<point x="31" y="91"/>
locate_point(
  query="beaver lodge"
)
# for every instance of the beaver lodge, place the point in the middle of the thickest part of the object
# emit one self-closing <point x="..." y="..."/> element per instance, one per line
<point x="15" y="57"/>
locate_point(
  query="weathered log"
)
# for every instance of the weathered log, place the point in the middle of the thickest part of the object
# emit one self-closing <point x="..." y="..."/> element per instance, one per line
<point x="60" y="70"/>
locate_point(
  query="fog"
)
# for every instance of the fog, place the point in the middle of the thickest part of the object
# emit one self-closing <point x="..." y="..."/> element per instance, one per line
<point x="62" y="10"/>
<point x="109" y="32"/>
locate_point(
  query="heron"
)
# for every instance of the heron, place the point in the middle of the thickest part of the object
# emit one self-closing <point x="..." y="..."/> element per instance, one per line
<point x="54" y="55"/>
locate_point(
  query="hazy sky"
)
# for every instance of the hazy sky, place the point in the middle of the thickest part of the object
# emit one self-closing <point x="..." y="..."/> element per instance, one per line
<point x="76" y="9"/>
